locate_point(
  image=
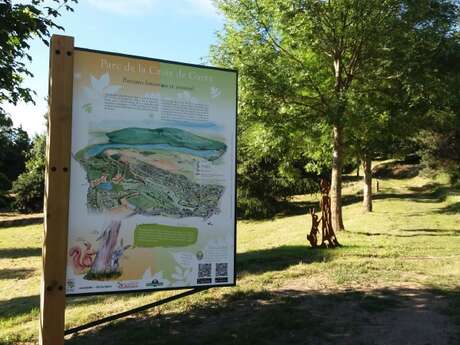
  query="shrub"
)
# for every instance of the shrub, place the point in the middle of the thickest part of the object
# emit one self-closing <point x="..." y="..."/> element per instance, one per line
<point x="28" y="189"/>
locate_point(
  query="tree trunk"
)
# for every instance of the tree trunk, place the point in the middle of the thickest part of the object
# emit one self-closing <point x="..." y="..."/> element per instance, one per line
<point x="367" y="185"/>
<point x="336" y="179"/>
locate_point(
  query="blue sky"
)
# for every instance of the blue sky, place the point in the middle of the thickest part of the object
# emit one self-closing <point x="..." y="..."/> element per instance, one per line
<point x="179" y="30"/>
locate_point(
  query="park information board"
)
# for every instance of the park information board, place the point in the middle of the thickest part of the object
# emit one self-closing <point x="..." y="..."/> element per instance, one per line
<point x="152" y="178"/>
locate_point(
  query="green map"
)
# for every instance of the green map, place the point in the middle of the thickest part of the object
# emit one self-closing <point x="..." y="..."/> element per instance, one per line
<point x="152" y="171"/>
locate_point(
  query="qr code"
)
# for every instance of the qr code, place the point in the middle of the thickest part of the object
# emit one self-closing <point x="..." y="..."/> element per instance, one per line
<point x="221" y="270"/>
<point x="204" y="270"/>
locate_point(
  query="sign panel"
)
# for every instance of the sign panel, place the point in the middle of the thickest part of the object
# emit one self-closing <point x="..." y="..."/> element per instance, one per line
<point x="152" y="188"/>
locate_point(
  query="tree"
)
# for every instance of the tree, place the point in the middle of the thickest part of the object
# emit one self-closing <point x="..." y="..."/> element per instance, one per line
<point x="28" y="189"/>
<point x="308" y="59"/>
<point x="390" y="113"/>
<point x="440" y="141"/>
<point x="268" y="158"/>
<point x="20" y="22"/>
<point x="382" y="125"/>
<point x="15" y="144"/>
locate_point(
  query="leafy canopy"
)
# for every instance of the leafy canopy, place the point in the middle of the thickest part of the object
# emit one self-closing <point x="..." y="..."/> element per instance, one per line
<point x="20" y="22"/>
<point x="309" y="65"/>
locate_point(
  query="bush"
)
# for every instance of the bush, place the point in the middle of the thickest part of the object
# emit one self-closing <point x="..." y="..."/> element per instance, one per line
<point x="28" y="189"/>
<point x="253" y="208"/>
<point x="441" y="151"/>
<point x="4" y="199"/>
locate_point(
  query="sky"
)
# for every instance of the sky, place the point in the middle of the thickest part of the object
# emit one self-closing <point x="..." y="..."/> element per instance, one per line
<point x="178" y="30"/>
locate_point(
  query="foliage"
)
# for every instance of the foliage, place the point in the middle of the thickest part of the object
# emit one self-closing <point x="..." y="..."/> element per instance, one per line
<point x="28" y="189"/>
<point x="14" y="143"/>
<point x="386" y="114"/>
<point x="269" y="170"/>
<point x="322" y="67"/>
<point x="19" y="22"/>
<point x="440" y="140"/>
<point x="440" y="150"/>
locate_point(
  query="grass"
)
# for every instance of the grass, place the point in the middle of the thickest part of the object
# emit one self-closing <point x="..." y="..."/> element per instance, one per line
<point x="286" y="290"/>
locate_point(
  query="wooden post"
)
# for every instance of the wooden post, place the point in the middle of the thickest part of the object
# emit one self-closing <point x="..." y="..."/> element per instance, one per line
<point x="54" y="254"/>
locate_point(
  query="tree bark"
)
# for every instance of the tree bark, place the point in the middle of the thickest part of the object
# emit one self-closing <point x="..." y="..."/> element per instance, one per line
<point x="367" y="185"/>
<point x="336" y="178"/>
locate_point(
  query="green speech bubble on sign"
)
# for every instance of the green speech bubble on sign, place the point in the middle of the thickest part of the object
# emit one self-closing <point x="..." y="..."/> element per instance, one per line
<point x="158" y="235"/>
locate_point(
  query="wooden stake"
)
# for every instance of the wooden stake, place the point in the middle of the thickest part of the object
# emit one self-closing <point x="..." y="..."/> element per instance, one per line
<point x="54" y="253"/>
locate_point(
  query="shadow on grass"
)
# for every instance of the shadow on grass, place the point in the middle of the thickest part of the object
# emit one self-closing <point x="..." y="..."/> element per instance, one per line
<point x="22" y="306"/>
<point x="396" y="170"/>
<point x="279" y="258"/>
<point x="433" y="231"/>
<point x="19" y="273"/>
<point x="9" y="223"/>
<point x="297" y="208"/>
<point x="428" y="187"/>
<point x="450" y="209"/>
<point x="412" y="233"/>
<point x="429" y="196"/>
<point x="285" y="317"/>
<point x="351" y="178"/>
<point x="416" y="197"/>
<point x="19" y="306"/>
<point x="259" y="261"/>
<point x="426" y="194"/>
<point x="14" y="253"/>
<point x="351" y="199"/>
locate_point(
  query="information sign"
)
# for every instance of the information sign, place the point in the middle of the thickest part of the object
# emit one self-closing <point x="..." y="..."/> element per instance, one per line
<point x="152" y="175"/>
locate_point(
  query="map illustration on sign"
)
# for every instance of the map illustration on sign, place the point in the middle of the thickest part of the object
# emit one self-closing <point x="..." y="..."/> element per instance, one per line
<point x="152" y="175"/>
<point x="152" y="171"/>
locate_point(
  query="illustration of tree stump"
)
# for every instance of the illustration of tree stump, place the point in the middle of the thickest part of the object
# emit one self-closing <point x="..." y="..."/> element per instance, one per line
<point x="102" y="265"/>
<point x="328" y="238"/>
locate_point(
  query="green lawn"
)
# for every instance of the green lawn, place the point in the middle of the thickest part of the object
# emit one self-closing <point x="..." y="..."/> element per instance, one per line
<point x="400" y="262"/>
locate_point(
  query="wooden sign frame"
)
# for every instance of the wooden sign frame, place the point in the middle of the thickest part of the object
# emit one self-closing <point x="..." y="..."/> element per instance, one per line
<point x="57" y="192"/>
<point x="56" y="212"/>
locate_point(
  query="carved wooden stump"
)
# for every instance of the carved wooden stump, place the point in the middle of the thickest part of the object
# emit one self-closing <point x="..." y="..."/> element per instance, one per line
<point x="313" y="236"/>
<point x="328" y="238"/>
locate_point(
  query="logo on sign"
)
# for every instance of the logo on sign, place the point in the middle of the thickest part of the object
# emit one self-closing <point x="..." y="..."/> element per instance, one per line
<point x="154" y="283"/>
<point x="70" y="284"/>
<point x="127" y="285"/>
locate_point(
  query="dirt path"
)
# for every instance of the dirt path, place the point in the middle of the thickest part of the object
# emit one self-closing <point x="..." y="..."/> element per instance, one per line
<point x="418" y="321"/>
<point x="403" y="314"/>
